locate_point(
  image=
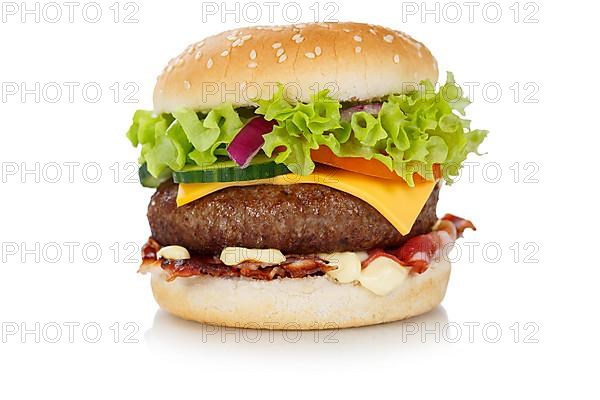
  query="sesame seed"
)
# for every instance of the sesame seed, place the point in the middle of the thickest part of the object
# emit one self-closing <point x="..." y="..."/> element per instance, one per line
<point x="238" y="42"/>
<point x="253" y="55"/>
<point x="419" y="53"/>
<point x="318" y="51"/>
<point x="199" y="44"/>
<point x="209" y="63"/>
<point x="373" y="31"/>
<point x="357" y="38"/>
<point x="388" y="38"/>
<point x="357" y="49"/>
<point x="276" y="45"/>
<point x="231" y="37"/>
<point x="169" y="67"/>
<point x="282" y="58"/>
<point x="298" y="38"/>
<point x="187" y="85"/>
<point x="189" y="49"/>
<point x="225" y="53"/>
<point x="246" y="37"/>
<point x="179" y="62"/>
<point x="252" y="64"/>
<point x="396" y="58"/>
<point x="279" y="52"/>
<point x="346" y="30"/>
<point x="310" y="54"/>
<point x="198" y="55"/>
<point x="276" y="28"/>
<point x="321" y="24"/>
<point x="300" y="25"/>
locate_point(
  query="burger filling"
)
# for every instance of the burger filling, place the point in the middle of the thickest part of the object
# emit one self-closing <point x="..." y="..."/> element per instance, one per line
<point x="292" y="190"/>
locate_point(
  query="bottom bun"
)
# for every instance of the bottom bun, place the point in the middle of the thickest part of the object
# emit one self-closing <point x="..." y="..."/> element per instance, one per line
<point x="302" y="303"/>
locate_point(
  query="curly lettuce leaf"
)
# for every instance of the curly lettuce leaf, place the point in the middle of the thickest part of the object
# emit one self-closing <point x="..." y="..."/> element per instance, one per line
<point x="162" y="145"/>
<point x="170" y="141"/>
<point x="411" y="133"/>
<point x="300" y="128"/>
<point x="219" y="127"/>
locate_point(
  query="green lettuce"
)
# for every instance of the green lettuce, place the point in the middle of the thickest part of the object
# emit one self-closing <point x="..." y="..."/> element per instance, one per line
<point x="411" y="133"/>
<point x="182" y="138"/>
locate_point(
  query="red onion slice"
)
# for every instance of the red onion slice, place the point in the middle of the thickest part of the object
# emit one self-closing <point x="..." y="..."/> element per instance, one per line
<point x="249" y="140"/>
<point x="372" y="108"/>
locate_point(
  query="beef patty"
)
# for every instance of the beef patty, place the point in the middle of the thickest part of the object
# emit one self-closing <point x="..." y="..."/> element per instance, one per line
<point x="299" y="219"/>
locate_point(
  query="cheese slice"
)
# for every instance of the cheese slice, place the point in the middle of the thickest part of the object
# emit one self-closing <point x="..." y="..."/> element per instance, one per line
<point x="399" y="203"/>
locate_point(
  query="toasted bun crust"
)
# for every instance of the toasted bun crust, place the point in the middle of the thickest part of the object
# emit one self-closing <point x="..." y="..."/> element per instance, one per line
<point x="355" y="61"/>
<point x="304" y="303"/>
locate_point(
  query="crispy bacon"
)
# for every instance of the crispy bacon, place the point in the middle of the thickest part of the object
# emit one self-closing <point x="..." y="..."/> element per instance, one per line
<point x="197" y="265"/>
<point x="460" y="223"/>
<point x="150" y="249"/>
<point x="419" y="251"/>
<point x="376" y="253"/>
<point x="295" y="266"/>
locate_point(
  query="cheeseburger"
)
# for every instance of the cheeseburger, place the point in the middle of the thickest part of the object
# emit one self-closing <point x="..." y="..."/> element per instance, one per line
<point x="298" y="170"/>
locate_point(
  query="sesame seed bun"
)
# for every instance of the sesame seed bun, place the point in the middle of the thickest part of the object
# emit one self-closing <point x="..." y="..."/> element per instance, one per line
<point x="355" y="61"/>
<point x="313" y="302"/>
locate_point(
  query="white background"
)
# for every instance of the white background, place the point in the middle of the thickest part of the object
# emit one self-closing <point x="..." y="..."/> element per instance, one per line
<point x="545" y="210"/>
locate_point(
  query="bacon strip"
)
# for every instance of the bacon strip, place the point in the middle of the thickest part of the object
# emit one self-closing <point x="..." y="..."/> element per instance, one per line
<point x="376" y="253"/>
<point x="419" y="251"/>
<point x="460" y="223"/>
<point x="295" y="266"/>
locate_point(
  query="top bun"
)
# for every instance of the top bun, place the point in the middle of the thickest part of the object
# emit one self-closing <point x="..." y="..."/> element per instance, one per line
<point x="354" y="61"/>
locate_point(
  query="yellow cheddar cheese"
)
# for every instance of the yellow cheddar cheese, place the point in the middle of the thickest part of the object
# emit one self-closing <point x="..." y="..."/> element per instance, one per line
<point x="395" y="200"/>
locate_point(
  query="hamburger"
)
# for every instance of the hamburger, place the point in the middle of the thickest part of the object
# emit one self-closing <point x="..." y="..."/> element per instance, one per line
<point x="297" y="172"/>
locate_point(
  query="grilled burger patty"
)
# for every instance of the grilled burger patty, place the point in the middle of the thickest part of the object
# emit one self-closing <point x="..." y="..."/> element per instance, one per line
<point x="300" y="219"/>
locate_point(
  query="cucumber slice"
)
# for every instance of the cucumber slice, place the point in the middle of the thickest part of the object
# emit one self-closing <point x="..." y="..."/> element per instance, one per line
<point x="228" y="171"/>
<point x="148" y="180"/>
